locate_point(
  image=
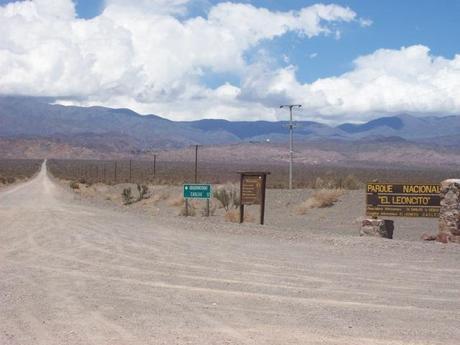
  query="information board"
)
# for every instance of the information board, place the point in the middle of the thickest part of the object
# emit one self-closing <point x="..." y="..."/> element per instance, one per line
<point x="403" y="200"/>
<point x="251" y="190"/>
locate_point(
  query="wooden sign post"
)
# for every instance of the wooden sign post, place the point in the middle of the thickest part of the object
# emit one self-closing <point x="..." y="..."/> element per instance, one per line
<point x="252" y="191"/>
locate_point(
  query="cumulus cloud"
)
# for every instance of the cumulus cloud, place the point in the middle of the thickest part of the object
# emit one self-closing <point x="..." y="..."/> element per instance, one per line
<point x="146" y="55"/>
<point x="154" y="6"/>
<point x="142" y="54"/>
<point x="387" y="81"/>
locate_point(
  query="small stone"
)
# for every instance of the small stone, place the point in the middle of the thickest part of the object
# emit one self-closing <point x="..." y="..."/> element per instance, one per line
<point x="427" y="237"/>
<point x="377" y="227"/>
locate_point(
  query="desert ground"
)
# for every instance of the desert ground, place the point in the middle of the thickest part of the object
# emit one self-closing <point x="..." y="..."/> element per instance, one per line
<point x="77" y="268"/>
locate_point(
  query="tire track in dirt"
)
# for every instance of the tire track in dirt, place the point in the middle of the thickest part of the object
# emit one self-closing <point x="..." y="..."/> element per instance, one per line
<point x="76" y="274"/>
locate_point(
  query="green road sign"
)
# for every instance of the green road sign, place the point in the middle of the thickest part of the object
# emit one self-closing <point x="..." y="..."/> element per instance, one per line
<point x="197" y="191"/>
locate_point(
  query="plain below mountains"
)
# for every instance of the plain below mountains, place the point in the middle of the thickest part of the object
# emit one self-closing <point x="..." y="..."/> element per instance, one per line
<point x="35" y="127"/>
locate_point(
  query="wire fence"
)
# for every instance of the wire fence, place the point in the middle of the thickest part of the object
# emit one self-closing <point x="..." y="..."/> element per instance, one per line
<point x="177" y="173"/>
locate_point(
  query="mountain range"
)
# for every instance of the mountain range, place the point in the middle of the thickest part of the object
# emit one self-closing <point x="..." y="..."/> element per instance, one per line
<point x="119" y="131"/>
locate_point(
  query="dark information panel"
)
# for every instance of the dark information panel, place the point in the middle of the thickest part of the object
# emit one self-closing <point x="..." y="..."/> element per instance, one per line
<point x="403" y="200"/>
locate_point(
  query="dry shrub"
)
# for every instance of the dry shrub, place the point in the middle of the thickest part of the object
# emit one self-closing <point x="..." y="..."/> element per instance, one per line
<point x="176" y="201"/>
<point x="127" y="196"/>
<point x="319" y="183"/>
<point x="228" y="195"/>
<point x="191" y="210"/>
<point x="233" y="216"/>
<point x="212" y="210"/>
<point x="160" y="196"/>
<point x="351" y="182"/>
<point x="320" y="199"/>
<point x="74" y="185"/>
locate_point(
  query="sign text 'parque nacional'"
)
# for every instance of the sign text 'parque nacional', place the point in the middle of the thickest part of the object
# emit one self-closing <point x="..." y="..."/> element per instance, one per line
<point x="403" y="200"/>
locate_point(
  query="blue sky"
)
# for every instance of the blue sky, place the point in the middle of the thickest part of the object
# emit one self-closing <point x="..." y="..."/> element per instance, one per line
<point x="420" y="33"/>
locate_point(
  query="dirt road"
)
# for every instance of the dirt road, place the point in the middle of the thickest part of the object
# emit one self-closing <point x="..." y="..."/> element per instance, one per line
<point x="72" y="273"/>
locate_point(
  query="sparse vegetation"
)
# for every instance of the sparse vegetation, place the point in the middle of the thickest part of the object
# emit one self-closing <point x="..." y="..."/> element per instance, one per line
<point x="143" y="191"/>
<point x="320" y="199"/>
<point x="212" y="210"/>
<point x="177" y="173"/>
<point x="127" y="196"/>
<point x="13" y="170"/>
<point x="351" y="182"/>
<point x="74" y="185"/>
<point x="191" y="212"/>
<point x="228" y="196"/>
<point x="233" y="216"/>
<point x="176" y="202"/>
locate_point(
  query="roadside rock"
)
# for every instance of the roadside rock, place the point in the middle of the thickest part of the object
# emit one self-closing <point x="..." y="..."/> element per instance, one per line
<point x="377" y="228"/>
<point x="449" y="220"/>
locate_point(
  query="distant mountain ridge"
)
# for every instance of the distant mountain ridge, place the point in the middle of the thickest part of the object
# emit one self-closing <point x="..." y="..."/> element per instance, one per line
<point x="25" y="117"/>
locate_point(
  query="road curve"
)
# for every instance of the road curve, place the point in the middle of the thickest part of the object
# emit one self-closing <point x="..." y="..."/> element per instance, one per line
<point x="72" y="273"/>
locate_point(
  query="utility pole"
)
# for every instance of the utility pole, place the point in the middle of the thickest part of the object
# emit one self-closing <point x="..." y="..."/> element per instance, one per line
<point x="291" y="138"/>
<point x="196" y="163"/>
<point x="130" y="171"/>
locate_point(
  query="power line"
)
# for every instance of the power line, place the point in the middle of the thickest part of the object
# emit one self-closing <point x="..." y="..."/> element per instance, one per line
<point x="291" y="127"/>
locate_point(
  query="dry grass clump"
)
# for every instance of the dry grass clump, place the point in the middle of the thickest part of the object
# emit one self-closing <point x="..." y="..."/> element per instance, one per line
<point x="212" y="210"/>
<point x="7" y="180"/>
<point x="233" y="216"/>
<point x="74" y="185"/>
<point x="191" y="210"/>
<point x="320" y="199"/>
<point x="176" y="201"/>
<point x="160" y="196"/>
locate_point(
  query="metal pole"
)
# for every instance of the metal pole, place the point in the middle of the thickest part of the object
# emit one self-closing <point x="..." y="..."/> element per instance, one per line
<point x="291" y="146"/>
<point x="154" y="165"/>
<point x="291" y="138"/>
<point x="130" y="171"/>
<point x="115" y="172"/>
<point x="196" y="163"/>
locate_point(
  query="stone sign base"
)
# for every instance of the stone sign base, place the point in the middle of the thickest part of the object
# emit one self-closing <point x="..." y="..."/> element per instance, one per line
<point x="377" y="228"/>
<point x="449" y="219"/>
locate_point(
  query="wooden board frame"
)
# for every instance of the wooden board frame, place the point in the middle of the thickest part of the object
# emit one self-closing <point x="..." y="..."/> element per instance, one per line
<point x="253" y="199"/>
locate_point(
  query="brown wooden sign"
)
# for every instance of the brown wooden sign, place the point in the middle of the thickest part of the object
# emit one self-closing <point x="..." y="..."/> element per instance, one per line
<point x="403" y="200"/>
<point x="252" y="191"/>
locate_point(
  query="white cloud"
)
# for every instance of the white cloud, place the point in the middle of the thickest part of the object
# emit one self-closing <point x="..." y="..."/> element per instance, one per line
<point x="384" y="82"/>
<point x="154" y="6"/>
<point x="145" y="55"/>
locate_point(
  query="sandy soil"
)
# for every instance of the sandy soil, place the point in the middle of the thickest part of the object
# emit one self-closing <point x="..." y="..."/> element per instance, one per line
<point x="74" y="272"/>
<point x="342" y="219"/>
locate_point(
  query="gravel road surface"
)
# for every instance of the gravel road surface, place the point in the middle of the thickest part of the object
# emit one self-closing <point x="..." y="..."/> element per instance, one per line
<point x="75" y="273"/>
